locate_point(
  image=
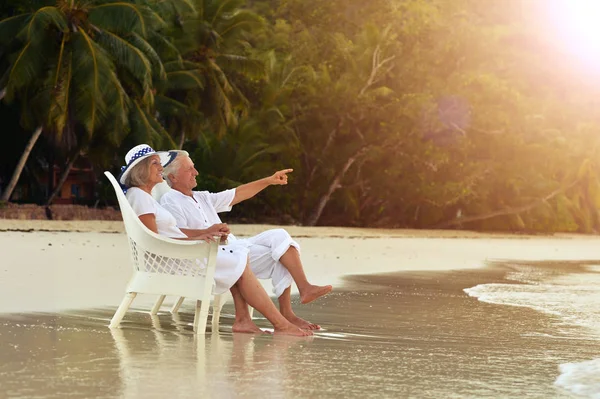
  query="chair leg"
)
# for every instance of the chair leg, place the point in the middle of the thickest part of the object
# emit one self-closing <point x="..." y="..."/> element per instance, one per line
<point x="177" y="305"/>
<point x="218" y="304"/>
<point x="200" y="316"/>
<point x="120" y="313"/>
<point x="157" y="304"/>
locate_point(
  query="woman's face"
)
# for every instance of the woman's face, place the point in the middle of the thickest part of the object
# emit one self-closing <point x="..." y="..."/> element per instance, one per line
<point x="155" y="171"/>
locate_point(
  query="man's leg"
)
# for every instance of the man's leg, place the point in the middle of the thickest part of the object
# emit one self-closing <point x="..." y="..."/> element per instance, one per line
<point x="285" y="307"/>
<point x="308" y="292"/>
<point x="284" y="251"/>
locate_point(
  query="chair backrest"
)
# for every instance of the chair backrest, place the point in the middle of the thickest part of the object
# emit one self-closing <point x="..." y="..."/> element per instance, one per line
<point x="130" y="219"/>
<point x="159" y="190"/>
<point x="167" y="260"/>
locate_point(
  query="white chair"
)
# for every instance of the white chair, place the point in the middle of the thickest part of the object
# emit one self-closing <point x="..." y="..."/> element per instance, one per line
<point x="164" y="266"/>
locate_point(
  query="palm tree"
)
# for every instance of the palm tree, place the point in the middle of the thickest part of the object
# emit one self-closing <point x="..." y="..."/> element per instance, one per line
<point x="214" y="46"/>
<point x="80" y="67"/>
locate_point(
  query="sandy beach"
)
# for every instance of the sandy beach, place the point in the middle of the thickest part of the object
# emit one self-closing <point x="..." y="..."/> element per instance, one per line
<point x="398" y="324"/>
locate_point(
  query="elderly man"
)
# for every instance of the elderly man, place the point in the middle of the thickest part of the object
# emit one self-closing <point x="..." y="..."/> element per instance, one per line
<point x="272" y="254"/>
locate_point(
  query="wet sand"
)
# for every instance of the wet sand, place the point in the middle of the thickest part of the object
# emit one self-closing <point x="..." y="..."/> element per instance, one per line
<point x="403" y="335"/>
<point x="397" y="325"/>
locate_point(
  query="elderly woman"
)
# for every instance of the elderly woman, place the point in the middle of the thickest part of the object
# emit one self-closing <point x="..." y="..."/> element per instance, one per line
<point x="142" y="172"/>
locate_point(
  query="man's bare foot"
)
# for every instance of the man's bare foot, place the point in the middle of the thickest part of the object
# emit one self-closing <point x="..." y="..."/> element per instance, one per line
<point x="313" y="292"/>
<point x="247" y="327"/>
<point x="303" y="324"/>
<point x="291" y="329"/>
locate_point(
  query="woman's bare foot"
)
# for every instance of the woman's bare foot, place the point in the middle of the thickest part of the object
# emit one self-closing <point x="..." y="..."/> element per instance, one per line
<point x="247" y="327"/>
<point x="313" y="292"/>
<point x="290" y="329"/>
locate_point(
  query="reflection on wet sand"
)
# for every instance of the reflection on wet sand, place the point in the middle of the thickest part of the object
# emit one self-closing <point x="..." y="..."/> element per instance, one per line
<point x="398" y="335"/>
<point x="187" y="365"/>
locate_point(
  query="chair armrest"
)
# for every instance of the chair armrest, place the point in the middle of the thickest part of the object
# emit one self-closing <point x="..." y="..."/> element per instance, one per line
<point x="172" y="248"/>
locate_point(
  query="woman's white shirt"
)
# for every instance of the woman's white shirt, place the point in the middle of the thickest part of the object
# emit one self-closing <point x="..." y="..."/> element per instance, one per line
<point x="142" y="203"/>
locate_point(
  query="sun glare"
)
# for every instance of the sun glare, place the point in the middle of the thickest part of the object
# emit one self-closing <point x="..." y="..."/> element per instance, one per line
<point x="576" y="24"/>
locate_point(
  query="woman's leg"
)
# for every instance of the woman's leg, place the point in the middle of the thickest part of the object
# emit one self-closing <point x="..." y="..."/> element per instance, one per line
<point x="254" y="294"/>
<point x="243" y="322"/>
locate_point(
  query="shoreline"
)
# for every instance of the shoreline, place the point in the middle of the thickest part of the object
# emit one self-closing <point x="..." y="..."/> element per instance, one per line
<point x="82" y="269"/>
<point x="244" y="230"/>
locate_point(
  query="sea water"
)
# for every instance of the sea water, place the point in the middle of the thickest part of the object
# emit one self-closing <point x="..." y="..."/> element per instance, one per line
<point x="570" y="294"/>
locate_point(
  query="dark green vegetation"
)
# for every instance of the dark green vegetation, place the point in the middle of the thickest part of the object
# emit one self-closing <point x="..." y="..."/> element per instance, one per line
<point x="405" y="113"/>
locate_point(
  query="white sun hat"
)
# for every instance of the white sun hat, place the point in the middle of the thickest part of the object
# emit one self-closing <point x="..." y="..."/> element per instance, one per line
<point x="138" y="154"/>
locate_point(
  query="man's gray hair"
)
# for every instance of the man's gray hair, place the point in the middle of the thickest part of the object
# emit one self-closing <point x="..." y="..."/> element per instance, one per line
<point x="173" y="167"/>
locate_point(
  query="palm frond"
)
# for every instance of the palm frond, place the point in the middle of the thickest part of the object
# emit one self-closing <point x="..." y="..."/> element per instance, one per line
<point x="10" y="27"/>
<point x="242" y="65"/>
<point x="157" y="65"/>
<point x="118" y="122"/>
<point x="91" y="71"/>
<point x="127" y="56"/>
<point x="224" y="108"/>
<point x="143" y="124"/>
<point x="119" y="17"/>
<point x="27" y="68"/>
<point x="174" y="7"/>
<point x="58" y="112"/>
<point x="240" y="20"/>
<point x="140" y="126"/>
<point x="164" y="47"/>
<point x="185" y="80"/>
<point x="44" y="18"/>
<point x="169" y="107"/>
<point x="179" y="65"/>
<point x="222" y="9"/>
<point x="219" y="76"/>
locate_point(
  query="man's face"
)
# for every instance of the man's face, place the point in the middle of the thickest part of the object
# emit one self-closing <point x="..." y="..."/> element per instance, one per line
<point x="186" y="176"/>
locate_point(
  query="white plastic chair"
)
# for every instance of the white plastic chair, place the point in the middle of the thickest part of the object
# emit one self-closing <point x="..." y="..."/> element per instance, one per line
<point x="164" y="266"/>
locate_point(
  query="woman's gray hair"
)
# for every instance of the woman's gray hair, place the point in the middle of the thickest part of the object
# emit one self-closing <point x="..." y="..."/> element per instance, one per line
<point x="139" y="174"/>
<point x="173" y="167"/>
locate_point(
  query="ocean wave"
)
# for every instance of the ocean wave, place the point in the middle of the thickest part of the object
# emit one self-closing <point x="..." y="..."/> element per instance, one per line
<point x="582" y="378"/>
<point x="570" y="297"/>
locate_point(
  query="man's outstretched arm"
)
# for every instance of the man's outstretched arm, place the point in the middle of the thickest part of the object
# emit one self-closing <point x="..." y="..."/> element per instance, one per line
<point x="249" y="190"/>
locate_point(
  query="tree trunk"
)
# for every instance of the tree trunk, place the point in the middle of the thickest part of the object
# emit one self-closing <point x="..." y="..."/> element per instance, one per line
<point x="17" y="173"/>
<point x="181" y="140"/>
<point x="62" y="179"/>
<point x="506" y="212"/>
<point x="335" y="184"/>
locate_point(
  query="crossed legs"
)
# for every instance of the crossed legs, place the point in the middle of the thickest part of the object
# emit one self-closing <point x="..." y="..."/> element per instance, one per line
<point x="274" y="254"/>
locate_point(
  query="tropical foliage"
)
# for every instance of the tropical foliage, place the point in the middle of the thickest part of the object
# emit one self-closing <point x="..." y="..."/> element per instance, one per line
<point x="407" y="113"/>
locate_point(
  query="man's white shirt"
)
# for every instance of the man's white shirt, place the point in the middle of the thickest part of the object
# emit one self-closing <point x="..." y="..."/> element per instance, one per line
<point x="200" y="211"/>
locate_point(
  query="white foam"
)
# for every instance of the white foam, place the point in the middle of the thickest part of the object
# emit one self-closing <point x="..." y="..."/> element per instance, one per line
<point x="571" y="298"/>
<point x="582" y="379"/>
